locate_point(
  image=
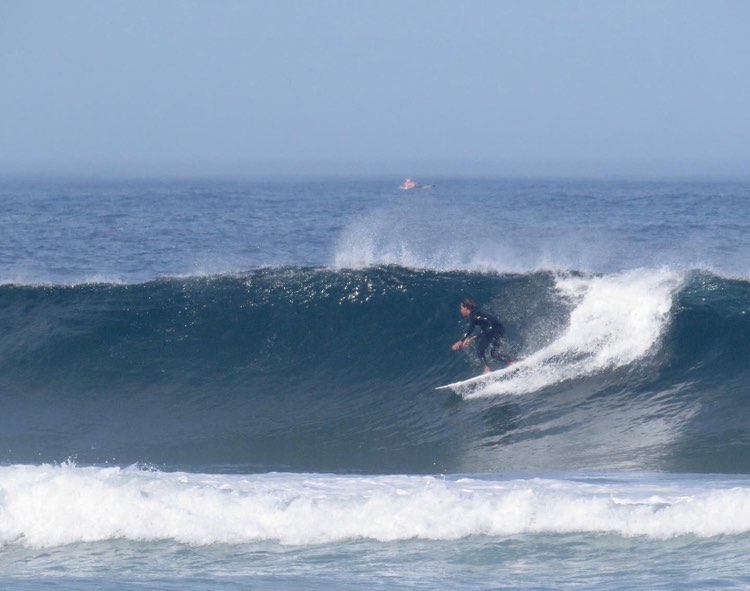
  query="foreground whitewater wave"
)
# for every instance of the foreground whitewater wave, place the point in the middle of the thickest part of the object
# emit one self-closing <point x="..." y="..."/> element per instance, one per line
<point x="44" y="506"/>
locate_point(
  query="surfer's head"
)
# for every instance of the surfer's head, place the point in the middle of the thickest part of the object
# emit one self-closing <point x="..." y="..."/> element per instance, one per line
<point x="467" y="306"/>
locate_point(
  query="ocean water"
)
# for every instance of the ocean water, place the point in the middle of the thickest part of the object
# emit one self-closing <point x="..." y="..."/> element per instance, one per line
<point x="231" y="385"/>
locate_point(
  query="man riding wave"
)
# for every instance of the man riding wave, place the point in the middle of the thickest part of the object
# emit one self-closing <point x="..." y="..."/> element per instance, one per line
<point x="490" y="334"/>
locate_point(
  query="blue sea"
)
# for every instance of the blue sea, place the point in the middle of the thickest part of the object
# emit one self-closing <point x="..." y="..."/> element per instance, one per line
<point x="231" y="385"/>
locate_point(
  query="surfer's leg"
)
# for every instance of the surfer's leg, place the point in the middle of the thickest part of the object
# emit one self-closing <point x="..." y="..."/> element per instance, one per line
<point x="482" y="343"/>
<point x="495" y="352"/>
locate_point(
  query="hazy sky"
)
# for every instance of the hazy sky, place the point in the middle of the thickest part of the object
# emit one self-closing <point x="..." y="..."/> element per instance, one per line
<point x="187" y="86"/>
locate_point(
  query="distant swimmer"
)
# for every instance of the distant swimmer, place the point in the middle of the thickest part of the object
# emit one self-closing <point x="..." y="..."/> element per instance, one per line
<point x="411" y="184"/>
<point x="490" y="334"/>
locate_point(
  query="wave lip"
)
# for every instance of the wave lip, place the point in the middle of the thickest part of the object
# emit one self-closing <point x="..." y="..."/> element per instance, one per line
<point x="45" y="506"/>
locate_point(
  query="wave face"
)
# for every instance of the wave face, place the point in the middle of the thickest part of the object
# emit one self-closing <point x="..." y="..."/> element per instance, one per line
<point x="317" y="370"/>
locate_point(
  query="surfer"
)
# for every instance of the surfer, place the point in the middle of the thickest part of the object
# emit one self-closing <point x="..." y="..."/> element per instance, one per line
<point x="491" y="332"/>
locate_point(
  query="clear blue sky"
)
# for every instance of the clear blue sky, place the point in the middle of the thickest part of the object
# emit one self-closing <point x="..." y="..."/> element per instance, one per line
<point x="186" y="86"/>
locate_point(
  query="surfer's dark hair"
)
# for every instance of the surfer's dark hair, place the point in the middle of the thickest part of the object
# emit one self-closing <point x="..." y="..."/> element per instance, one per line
<point x="469" y="304"/>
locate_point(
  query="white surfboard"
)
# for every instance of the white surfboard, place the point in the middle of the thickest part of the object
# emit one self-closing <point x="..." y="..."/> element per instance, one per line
<point x="477" y="381"/>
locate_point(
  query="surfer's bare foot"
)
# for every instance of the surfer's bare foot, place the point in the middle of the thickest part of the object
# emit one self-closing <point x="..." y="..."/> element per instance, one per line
<point x="486" y="370"/>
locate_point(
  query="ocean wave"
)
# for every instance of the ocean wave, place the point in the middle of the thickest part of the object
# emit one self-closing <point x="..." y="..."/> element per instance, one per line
<point x="309" y="369"/>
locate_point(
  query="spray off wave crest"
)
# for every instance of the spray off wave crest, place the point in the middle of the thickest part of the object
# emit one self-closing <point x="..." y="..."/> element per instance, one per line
<point x="404" y="237"/>
<point x="531" y="227"/>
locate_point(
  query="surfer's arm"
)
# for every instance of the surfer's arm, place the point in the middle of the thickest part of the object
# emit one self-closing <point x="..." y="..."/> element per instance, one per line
<point x="463" y="342"/>
<point x="467" y="338"/>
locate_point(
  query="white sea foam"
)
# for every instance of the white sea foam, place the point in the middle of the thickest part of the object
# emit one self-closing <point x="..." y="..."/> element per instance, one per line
<point x="615" y="320"/>
<point x="44" y="506"/>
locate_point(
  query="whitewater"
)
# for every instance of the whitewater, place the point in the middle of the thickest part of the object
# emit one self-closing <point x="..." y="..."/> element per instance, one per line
<point x="231" y="384"/>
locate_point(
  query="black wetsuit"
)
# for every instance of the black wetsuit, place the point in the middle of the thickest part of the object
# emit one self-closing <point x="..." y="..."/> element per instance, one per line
<point x="491" y="333"/>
